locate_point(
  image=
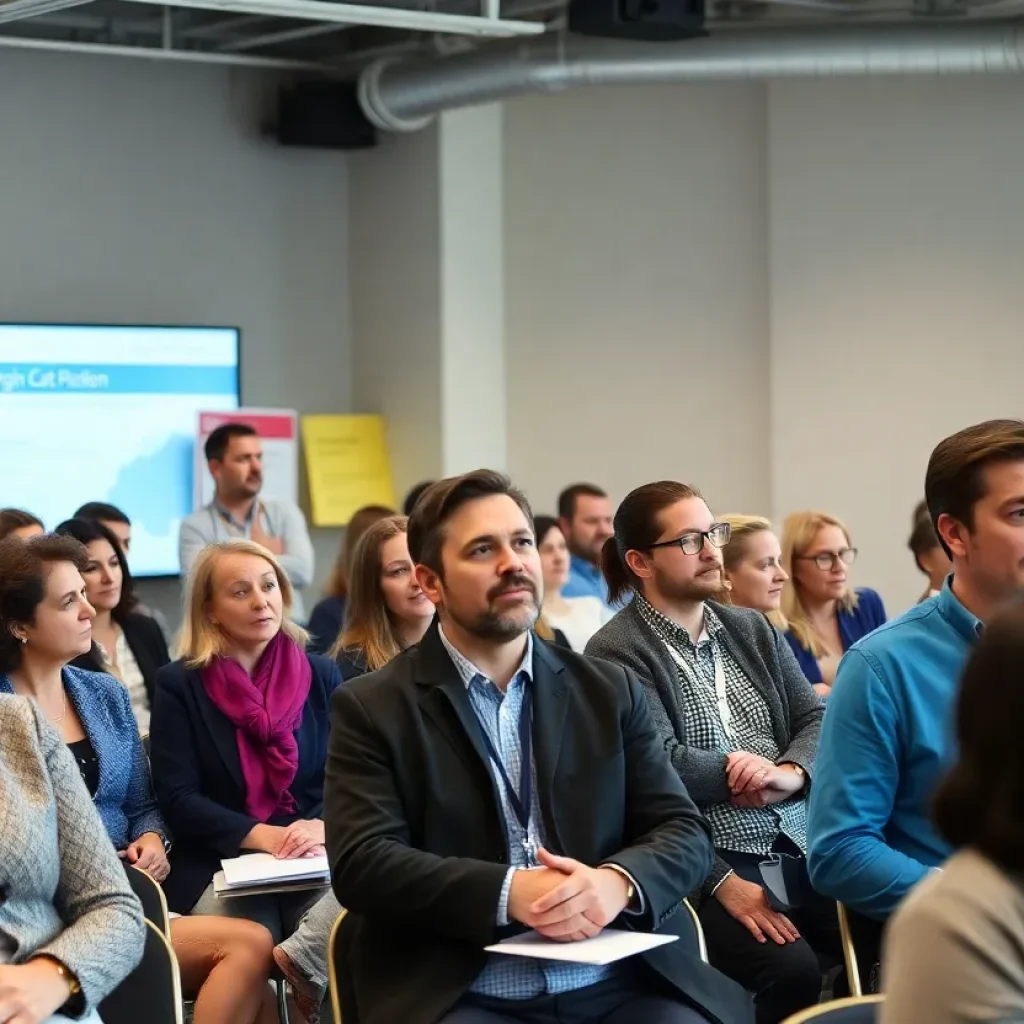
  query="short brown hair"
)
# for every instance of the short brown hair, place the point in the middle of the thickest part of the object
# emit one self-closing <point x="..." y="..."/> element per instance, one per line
<point x="568" y="498"/>
<point x="12" y="519"/>
<point x="636" y="528"/>
<point x="24" y="568"/>
<point x="440" y="501"/>
<point x="955" y="482"/>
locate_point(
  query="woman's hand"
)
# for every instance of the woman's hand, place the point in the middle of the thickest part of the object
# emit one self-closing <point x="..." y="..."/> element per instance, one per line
<point x="148" y="854"/>
<point x="303" y="838"/>
<point x="31" y="993"/>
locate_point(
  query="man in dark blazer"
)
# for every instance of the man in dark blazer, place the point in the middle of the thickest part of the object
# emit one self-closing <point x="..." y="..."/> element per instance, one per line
<point x="485" y="783"/>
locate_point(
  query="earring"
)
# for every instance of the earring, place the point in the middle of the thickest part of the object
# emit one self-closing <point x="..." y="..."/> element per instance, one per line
<point x="23" y="639"/>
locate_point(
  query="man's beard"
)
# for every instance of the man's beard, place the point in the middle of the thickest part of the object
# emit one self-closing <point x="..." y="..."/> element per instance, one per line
<point x="500" y="626"/>
<point x="699" y="588"/>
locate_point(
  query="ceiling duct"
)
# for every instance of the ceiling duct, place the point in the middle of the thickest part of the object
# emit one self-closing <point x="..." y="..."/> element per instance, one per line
<point x="406" y="96"/>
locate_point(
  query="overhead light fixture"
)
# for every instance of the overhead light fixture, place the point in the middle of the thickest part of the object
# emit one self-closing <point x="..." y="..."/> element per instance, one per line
<point x="360" y="14"/>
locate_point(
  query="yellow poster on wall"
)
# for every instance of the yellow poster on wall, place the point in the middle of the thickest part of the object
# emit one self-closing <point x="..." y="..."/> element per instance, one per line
<point x="348" y="466"/>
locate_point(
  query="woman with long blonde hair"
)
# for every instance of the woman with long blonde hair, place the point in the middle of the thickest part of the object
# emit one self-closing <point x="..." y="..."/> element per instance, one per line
<point x="752" y="567"/>
<point x="238" y="744"/>
<point x="328" y="616"/>
<point x="825" y="615"/>
<point x="387" y="611"/>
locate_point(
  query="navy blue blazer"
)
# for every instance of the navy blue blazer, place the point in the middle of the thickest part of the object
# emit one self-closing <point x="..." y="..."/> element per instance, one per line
<point x="865" y="618"/>
<point x="125" y="797"/>
<point x="193" y="748"/>
<point x="325" y="624"/>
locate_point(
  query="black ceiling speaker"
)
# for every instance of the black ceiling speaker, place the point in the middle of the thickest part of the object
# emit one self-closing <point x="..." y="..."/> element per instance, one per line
<point x="654" y="20"/>
<point x="322" y="114"/>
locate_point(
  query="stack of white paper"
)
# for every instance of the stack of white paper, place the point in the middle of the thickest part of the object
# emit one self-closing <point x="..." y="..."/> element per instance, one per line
<point x="260" y="869"/>
<point x="611" y="945"/>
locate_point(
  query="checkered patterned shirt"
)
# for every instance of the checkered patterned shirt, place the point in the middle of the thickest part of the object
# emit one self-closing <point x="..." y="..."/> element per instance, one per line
<point x="741" y="829"/>
<point x="515" y="977"/>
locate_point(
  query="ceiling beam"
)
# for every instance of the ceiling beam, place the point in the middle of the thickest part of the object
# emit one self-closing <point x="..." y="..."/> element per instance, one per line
<point x="16" y="10"/>
<point x="284" y="36"/>
<point x="361" y="14"/>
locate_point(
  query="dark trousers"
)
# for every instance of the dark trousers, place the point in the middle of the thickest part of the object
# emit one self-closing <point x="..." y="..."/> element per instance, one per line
<point x="783" y="979"/>
<point x="627" y="997"/>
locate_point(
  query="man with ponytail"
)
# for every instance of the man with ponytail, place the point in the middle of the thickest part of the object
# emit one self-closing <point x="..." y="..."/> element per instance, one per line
<point x="485" y="782"/>
<point x="740" y="724"/>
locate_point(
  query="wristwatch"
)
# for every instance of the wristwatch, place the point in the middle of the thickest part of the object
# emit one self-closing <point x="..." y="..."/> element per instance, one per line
<point x="632" y="897"/>
<point x="75" y="1003"/>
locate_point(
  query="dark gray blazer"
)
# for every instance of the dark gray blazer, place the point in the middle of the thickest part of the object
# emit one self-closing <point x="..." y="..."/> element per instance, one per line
<point x="766" y="659"/>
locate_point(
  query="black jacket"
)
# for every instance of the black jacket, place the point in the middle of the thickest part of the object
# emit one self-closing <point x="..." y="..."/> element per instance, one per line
<point x="197" y="774"/>
<point x="148" y="646"/>
<point x="419" y="853"/>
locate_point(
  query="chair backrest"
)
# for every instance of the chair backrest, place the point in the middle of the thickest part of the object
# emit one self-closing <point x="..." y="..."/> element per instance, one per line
<point x="152" y="991"/>
<point x="862" y="949"/>
<point x="154" y="903"/>
<point x="849" y="952"/>
<point x="701" y="944"/>
<point x="857" y="1010"/>
<point x="332" y="967"/>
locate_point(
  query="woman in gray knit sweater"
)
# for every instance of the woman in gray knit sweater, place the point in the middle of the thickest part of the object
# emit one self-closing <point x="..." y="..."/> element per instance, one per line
<point x="70" y="927"/>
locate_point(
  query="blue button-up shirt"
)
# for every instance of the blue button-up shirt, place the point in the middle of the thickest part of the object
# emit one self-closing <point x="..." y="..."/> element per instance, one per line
<point x="585" y="580"/>
<point x="515" y="977"/>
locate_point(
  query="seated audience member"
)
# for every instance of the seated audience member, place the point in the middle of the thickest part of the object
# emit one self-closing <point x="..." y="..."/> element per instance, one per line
<point x="740" y="724"/>
<point x="585" y="519"/>
<point x="127" y="645"/>
<point x="224" y="964"/>
<point x="45" y="623"/>
<point x="752" y="567"/>
<point x="328" y="615"/>
<point x="414" y="495"/>
<point x="577" y="618"/>
<point x="954" y="951"/>
<point x="824" y="614"/>
<point x="234" y="456"/>
<point x="238" y="742"/>
<point x="16" y="522"/>
<point x="484" y="752"/>
<point x="120" y="526"/>
<point x="387" y="610"/>
<point x="70" y="928"/>
<point x="929" y="556"/>
<point x="887" y="738"/>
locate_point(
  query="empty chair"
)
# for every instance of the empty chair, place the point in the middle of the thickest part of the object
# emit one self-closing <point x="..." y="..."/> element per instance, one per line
<point x="151" y="896"/>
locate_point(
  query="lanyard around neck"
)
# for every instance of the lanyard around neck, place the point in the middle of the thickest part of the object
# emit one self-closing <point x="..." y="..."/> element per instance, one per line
<point x="521" y="800"/>
<point x="721" y="696"/>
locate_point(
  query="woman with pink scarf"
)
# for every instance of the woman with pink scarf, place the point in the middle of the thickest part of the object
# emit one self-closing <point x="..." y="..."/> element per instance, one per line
<point x="238" y="743"/>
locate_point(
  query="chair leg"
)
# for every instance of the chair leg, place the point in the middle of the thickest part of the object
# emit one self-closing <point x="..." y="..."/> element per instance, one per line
<point x="282" y="1001"/>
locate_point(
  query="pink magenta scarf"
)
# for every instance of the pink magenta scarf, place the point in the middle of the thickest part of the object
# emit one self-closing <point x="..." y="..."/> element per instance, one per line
<point x="265" y="709"/>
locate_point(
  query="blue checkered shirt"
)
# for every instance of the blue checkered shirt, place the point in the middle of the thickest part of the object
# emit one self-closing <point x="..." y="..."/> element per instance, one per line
<point x="515" y="977"/>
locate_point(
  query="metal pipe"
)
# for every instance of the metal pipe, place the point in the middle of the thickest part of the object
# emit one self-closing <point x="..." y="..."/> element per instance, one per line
<point x="155" y="53"/>
<point x="406" y="96"/>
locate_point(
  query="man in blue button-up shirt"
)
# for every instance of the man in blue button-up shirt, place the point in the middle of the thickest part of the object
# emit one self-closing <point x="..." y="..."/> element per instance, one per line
<point x="887" y="738"/>
<point x="585" y="518"/>
<point x="485" y="783"/>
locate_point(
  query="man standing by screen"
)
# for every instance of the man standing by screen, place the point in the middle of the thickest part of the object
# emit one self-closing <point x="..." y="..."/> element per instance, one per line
<point x="235" y="457"/>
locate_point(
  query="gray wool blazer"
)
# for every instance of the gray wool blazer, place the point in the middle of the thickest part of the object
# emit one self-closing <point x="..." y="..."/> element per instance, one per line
<point x="63" y="891"/>
<point x="766" y="659"/>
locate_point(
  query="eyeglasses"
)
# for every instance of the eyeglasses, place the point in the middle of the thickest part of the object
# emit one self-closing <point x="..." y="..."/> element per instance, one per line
<point x="831" y="559"/>
<point x="693" y="543"/>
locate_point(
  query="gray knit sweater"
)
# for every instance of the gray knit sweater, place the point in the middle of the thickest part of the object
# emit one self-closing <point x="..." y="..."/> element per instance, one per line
<point x="765" y="658"/>
<point x="64" y="891"/>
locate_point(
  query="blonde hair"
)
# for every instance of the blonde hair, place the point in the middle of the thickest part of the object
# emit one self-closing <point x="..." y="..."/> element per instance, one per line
<point x="798" y="533"/>
<point x="201" y="640"/>
<point x="741" y="529"/>
<point x="368" y="628"/>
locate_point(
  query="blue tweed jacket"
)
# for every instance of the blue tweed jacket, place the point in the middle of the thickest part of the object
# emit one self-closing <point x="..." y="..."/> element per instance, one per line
<point x="125" y="799"/>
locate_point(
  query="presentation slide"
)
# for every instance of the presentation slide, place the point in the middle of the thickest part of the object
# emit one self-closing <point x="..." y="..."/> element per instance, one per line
<point x="110" y="414"/>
